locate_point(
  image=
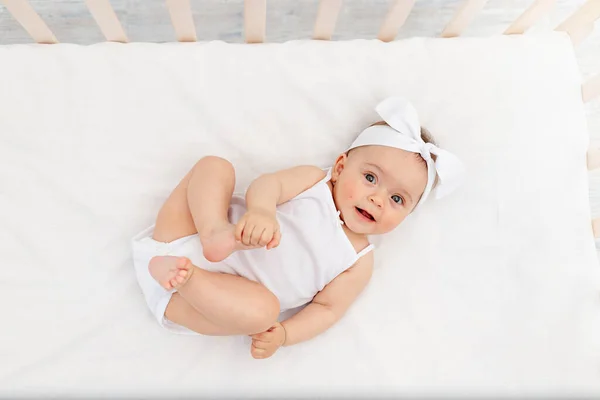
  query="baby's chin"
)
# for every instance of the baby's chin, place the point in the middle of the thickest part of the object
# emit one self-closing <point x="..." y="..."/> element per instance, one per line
<point x="375" y="230"/>
<point x="360" y="229"/>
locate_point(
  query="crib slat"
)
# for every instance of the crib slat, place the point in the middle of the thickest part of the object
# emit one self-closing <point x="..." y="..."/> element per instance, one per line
<point x="581" y="22"/>
<point x="107" y="20"/>
<point x="22" y="11"/>
<point x="463" y="16"/>
<point x="394" y="19"/>
<point x="580" y="33"/>
<point x="593" y="158"/>
<point x="326" y="18"/>
<point x="255" y="20"/>
<point x="590" y="88"/>
<point x="596" y="227"/>
<point x="530" y="16"/>
<point x="182" y="20"/>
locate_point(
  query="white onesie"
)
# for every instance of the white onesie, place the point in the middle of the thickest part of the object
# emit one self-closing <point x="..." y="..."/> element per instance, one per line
<point x="314" y="249"/>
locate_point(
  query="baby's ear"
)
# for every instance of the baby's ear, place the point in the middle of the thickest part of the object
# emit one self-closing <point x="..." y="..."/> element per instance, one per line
<point x="338" y="167"/>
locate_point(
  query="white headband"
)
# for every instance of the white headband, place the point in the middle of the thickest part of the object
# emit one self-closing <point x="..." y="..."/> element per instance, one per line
<point x="404" y="132"/>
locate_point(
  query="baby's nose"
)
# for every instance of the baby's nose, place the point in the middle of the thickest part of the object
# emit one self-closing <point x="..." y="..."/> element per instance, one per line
<point x="375" y="199"/>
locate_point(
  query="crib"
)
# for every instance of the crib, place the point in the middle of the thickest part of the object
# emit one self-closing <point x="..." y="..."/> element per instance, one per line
<point x="505" y="298"/>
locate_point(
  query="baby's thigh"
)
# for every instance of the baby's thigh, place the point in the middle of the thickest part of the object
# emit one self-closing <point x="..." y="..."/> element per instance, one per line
<point x="182" y="313"/>
<point x="174" y="219"/>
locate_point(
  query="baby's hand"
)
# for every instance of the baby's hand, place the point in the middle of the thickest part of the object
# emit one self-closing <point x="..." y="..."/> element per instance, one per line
<point x="265" y="344"/>
<point x="258" y="228"/>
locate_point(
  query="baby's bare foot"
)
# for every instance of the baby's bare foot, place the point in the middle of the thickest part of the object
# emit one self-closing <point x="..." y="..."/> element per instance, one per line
<point x="171" y="272"/>
<point x="219" y="242"/>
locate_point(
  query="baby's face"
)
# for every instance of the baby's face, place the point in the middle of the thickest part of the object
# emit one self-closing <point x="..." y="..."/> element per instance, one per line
<point x="376" y="187"/>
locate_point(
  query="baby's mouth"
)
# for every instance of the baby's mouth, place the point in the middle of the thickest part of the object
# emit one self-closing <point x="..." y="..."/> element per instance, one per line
<point x="365" y="214"/>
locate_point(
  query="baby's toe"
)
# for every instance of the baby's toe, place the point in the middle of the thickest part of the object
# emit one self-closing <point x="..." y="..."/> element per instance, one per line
<point x="183" y="262"/>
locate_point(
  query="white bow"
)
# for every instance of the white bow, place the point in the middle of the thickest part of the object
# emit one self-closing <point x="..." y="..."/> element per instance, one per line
<point x="404" y="132"/>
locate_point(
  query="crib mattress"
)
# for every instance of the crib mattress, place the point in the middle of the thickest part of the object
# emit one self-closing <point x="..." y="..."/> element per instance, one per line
<point x="493" y="290"/>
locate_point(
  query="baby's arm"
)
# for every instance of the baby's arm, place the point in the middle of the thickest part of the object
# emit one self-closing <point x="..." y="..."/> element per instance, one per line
<point x="269" y="190"/>
<point x="259" y="227"/>
<point x="330" y="304"/>
<point x="327" y="307"/>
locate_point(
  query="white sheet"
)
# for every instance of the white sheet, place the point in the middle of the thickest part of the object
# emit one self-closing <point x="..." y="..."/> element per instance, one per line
<point x="493" y="290"/>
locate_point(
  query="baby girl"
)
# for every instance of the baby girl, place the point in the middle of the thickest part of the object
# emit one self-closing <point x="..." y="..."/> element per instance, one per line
<point x="218" y="264"/>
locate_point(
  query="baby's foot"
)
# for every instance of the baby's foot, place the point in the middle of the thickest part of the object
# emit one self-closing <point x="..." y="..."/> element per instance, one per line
<point x="171" y="272"/>
<point x="219" y="242"/>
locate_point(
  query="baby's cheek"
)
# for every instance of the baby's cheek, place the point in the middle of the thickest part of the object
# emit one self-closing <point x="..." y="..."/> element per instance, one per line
<point x="349" y="190"/>
<point x="391" y="219"/>
<point x="397" y="219"/>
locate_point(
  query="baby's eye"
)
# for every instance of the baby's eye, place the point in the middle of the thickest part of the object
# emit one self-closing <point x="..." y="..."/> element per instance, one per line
<point x="397" y="199"/>
<point x="370" y="178"/>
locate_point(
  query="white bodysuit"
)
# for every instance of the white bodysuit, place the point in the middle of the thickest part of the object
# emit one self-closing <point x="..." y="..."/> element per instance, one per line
<point x="314" y="249"/>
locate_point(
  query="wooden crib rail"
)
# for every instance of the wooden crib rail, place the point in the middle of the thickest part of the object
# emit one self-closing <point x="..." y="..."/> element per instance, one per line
<point x="580" y="33"/>
<point x="182" y="20"/>
<point x="107" y="20"/>
<point x="593" y="158"/>
<point x="463" y="16"/>
<point x="593" y="162"/>
<point x="255" y="20"/>
<point x="591" y="88"/>
<point x="35" y="26"/>
<point x="581" y="23"/>
<point x="578" y="25"/>
<point x="326" y="18"/>
<point x="526" y="20"/>
<point x="394" y="19"/>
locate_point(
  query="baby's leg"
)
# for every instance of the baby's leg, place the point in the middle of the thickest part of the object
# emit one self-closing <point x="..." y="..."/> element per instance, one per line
<point x="182" y="313"/>
<point x="225" y="304"/>
<point x="199" y="204"/>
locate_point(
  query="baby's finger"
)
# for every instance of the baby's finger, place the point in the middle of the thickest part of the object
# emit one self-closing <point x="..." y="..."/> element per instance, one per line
<point x="247" y="234"/>
<point x="267" y="352"/>
<point x="265" y="238"/>
<point x="256" y="235"/>
<point x="259" y="344"/>
<point x="275" y="241"/>
<point x="263" y="336"/>
<point x="256" y="352"/>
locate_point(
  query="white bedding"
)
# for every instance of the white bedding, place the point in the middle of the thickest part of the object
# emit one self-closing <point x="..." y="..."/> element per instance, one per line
<point x="493" y="290"/>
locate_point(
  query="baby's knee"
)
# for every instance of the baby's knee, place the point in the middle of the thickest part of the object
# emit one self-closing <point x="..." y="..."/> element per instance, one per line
<point x="265" y="314"/>
<point x="213" y="162"/>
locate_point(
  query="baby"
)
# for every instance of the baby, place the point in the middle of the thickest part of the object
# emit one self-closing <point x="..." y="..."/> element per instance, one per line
<point x="218" y="264"/>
